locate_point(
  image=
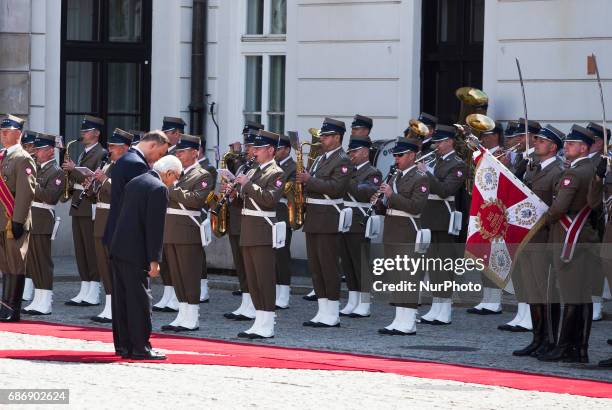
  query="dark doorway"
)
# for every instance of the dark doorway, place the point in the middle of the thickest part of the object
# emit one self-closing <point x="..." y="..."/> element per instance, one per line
<point x="452" y="47"/>
<point x="105" y="64"/>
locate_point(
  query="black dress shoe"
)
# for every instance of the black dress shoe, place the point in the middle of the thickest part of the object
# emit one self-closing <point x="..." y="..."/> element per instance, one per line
<point x="73" y="303"/>
<point x="169" y="310"/>
<point x="230" y="316"/>
<point x="310" y="323"/>
<point x="124" y="353"/>
<point x="185" y="329"/>
<point x="519" y="329"/>
<point x="205" y="301"/>
<point x="385" y="331"/>
<point x="149" y="355"/>
<point x="357" y="316"/>
<point x="605" y="363"/>
<point x="244" y="335"/>
<point x="158" y="309"/>
<point x="169" y="328"/>
<point x="324" y="325"/>
<point x="528" y="350"/>
<point x="37" y="313"/>
<point x="483" y="312"/>
<point x="255" y="336"/>
<point x="99" y="319"/>
<point x="394" y="332"/>
<point x="609" y="341"/>
<point x="506" y="327"/>
<point x="437" y="322"/>
<point x="83" y="303"/>
<point x="276" y="307"/>
<point x="309" y="298"/>
<point x="237" y="293"/>
<point x="427" y="322"/>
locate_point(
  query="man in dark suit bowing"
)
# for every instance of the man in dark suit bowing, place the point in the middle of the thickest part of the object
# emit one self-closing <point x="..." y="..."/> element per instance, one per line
<point x="135" y="252"/>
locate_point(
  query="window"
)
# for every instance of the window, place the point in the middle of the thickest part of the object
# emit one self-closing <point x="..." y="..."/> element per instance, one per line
<point x="106" y="49"/>
<point x="265" y="97"/>
<point x="266" y="17"/>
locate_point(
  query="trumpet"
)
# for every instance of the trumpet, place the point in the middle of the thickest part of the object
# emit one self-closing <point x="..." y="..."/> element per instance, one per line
<point x="392" y="172"/>
<point x="424" y="157"/>
<point x="224" y="198"/>
<point x="503" y="152"/>
<point x="91" y="190"/>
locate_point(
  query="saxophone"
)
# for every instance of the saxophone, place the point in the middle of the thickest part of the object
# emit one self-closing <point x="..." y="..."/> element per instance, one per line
<point x="294" y="191"/>
<point x="67" y="185"/>
<point x="219" y="221"/>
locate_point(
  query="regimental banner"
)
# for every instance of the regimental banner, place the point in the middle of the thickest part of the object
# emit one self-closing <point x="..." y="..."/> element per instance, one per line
<point x="504" y="215"/>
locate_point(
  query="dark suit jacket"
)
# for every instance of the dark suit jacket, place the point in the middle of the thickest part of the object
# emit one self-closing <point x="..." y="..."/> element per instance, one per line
<point x="139" y="237"/>
<point x="129" y="166"/>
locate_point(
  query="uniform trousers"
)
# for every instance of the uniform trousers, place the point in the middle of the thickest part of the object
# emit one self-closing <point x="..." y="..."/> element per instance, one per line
<point x="13" y="253"/>
<point x="259" y="264"/>
<point x="164" y="271"/>
<point x="354" y="248"/>
<point x="185" y="266"/>
<point x="39" y="263"/>
<point x="103" y="265"/>
<point x="84" y="248"/>
<point x="239" y="262"/>
<point x="442" y="246"/>
<point x="283" y="260"/>
<point x="408" y="298"/>
<point x="322" y="250"/>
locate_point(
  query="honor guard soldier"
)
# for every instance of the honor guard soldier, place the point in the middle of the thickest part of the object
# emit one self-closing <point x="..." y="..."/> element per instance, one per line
<point x="597" y="219"/>
<point x="118" y="144"/>
<point x="246" y="310"/>
<point x="365" y="181"/>
<point x="521" y="161"/>
<point x="326" y="184"/>
<point x="404" y="201"/>
<point x="261" y="190"/>
<point x="183" y="245"/>
<point x="445" y="181"/>
<point x="283" y="255"/>
<point x="50" y="185"/>
<point x="82" y="213"/>
<point x="430" y="121"/>
<point x="212" y="170"/>
<point x="27" y="142"/>
<point x="17" y="182"/>
<point x="534" y="263"/>
<point x="173" y="127"/>
<point x="570" y="237"/>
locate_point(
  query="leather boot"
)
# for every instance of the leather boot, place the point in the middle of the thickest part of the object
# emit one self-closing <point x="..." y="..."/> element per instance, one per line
<point x="537" y="318"/>
<point x="550" y="325"/>
<point x="11" y="297"/>
<point x="583" y="329"/>
<point x="563" y="347"/>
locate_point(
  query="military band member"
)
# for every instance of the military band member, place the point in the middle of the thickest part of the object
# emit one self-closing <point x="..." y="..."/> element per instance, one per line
<point x="182" y="241"/>
<point x="365" y="181"/>
<point x="445" y="181"/>
<point x="246" y="310"/>
<point x="597" y="220"/>
<point x="118" y="145"/>
<point x="212" y="170"/>
<point x="572" y="263"/>
<point x="173" y="127"/>
<point x="326" y="184"/>
<point x="137" y="135"/>
<point x="82" y="214"/>
<point x="405" y="200"/>
<point x="430" y="121"/>
<point x="535" y="260"/>
<point x="18" y="181"/>
<point x="261" y="190"/>
<point x="27" y="142"/>
<point x="49" y="188"/>
<point x="283" y="255"/>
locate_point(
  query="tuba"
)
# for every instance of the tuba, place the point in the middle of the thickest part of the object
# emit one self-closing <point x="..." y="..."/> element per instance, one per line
<point x="473" y="101"/>
<point x="469" y="142"/>
<point x="294" y="191"/>
<point x="417" y="129"/>
<point x="219" y="222"/>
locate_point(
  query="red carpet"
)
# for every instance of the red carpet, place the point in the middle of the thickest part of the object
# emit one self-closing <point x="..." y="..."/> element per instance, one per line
<point x="214" y="352"/>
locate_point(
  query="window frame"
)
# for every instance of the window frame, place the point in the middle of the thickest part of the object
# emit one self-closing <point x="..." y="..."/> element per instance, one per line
<point x="267" y="25"/>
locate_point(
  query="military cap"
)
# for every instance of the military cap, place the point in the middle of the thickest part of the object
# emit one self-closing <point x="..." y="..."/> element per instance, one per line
<point x="428" y="119"/>
<point x="403" y="145"/>
<point x="357" y="142"/>
<point x="443" y="132"/>
<point x="552" y="134"/>
<point x="173" y="123"/>
<point x="360" y="121"/>
<point x="511" y="128"/>
<point x="266" y="139"/>
<point x="28" y="137"/>
<point x="137" y="136"/>
<point x="580" y="134"/>
<point x="44" y="140"/>
<point x="120" y="137"/>
<point x="533" y="127"/>
<point x="92" y="123"/>
<point x="252" y="127"/>
<point x="597" y="130"/>
<point x="12" y="122"/>
<point x="331" y="126"/>
<point x="188" y="142"/>
<point x="284" y="141"/>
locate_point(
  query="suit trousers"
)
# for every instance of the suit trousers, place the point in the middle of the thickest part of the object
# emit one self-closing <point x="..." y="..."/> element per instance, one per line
<point x="103" y="265"/>
<point x="239" y="262"/>
<point x="442" y="246"/>
<point x="39" y="263"/>
<point x="283" y="260"/>
<point x="131" y="304"/>
<point x="354" y="247"/>
<point x="259" y="264"/>
<point x="322" y="250"/>
<point x="185" y="267"/>
<point x="13" y="253"/>
<point x="84" y="248"/>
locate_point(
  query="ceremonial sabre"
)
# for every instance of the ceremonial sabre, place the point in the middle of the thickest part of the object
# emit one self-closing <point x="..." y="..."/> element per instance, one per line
<point x="603" y="106"/>
<point x="520" y="73"/>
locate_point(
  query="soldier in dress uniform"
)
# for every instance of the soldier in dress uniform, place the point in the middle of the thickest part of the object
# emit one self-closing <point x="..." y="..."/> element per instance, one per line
<point x="261" y="190"/>
<point x="572" y="256"/>
<point x="534" y="263"/>
<point x="365" y="181"/>
<point x="430" y="121"/>
<point x="445" y="181"/>
<point x="18" y="173"/>
<point x="205" y="164"/>
<point x="49" y="188"/>
<point x="246" y="310"/>
<point x="173" y="127"/>
<point x="326" y="183"/>
<point x="182" y="241"/>
<point x="27" y="142"/>
<point x="283" y="255"/>
<point x="596" y="219"/>
<point x="118" y="145"/>
<point x="82" y="213"/>
<point x="404" y="201"/>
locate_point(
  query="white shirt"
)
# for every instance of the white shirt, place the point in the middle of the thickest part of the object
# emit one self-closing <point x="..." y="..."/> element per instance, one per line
<point x="12" y="149"/>
<point x="362" y="165"/>
<point x="448" y="154"/>
<point x="43" y="165"/>
<point x="577" y="160"/>
<point x="285" y="160"/>
<point x="139" y="150"/>
<point x="262" y="166"/>
<point x="592" y="154"/>
<point x="493" y="150"/>
<point x="328" y="154"/>
<point x="90" y="147"/>
<point x="189" y="168"/>
<point x="547" y="162"/>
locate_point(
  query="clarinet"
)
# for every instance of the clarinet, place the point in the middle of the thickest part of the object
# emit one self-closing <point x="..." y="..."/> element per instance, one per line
<point x="223" y="200"/>
<point x="87" y="192"/>
<point x="390" y="175"/>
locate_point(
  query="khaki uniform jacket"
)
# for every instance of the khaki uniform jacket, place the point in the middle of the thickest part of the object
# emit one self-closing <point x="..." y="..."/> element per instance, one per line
<point x="331" y="177"/>
<point x="447" y="179"/>
<point x="235" y="206"/>
<point x="104" y="196"/>
<point x="91" y="160"/>
<point x="364" y="183"/>
<point x="595" y="200"/>
<point x="288" y="168"/>
<point x="50" y="185"/>
<point x="212" y="170"/>
<point x="19" y="173"/>
<point x="569" y="198"/>
<point x="190" y="191"/>
<point x="412" y="190"/>
<point x="265" y="188"/>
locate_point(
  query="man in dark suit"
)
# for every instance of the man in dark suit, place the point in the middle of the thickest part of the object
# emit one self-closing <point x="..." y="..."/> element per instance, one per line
<point x="136" y="250"/>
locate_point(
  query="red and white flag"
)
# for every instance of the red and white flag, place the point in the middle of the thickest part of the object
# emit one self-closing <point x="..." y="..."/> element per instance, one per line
<point x="504" y="215"/>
